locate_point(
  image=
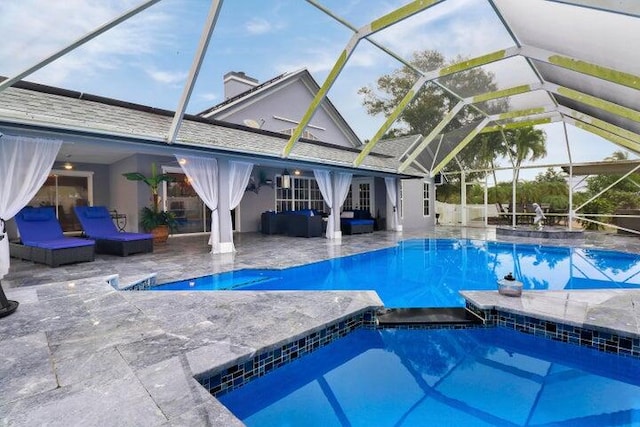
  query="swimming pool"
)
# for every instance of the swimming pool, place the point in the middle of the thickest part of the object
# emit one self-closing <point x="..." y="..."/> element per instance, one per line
<point x="430" y="272"/>
<point x="483" y="376"/>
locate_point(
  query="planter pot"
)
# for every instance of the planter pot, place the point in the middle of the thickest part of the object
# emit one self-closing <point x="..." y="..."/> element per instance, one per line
<point x="160" y="234"/>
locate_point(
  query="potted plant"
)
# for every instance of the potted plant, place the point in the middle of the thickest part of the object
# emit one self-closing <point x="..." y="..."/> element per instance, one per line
<point x="152" y="219"/>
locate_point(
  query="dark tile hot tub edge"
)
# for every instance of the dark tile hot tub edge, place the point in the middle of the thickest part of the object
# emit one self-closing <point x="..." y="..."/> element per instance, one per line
<point x="229" y="378"/>
<point x="585" y="336"/>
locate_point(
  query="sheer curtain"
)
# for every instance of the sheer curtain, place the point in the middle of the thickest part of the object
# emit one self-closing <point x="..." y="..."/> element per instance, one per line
<point x="25" y="164"/>
<point x="392" y="195"/>
<point x="323" y="178"/>
<point x="203" y="175"/>
<point x="239" y="174"/>
<point x="342" y="182"/>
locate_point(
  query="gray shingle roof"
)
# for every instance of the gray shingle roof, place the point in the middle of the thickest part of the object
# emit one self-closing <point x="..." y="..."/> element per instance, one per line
<point x="52" y="108"/>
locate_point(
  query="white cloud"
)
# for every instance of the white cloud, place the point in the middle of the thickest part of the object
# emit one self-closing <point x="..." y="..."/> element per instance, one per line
<point x="168" y="77"/>
<point x="315" y="59"/>
<point x="258" y="26"/>
<point x="38" y="29"/>
<point x="464" y="27"/>
<point x="208" y="96"/>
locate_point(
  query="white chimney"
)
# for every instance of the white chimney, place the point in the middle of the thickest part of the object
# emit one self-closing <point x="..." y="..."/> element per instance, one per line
<point x="236" y="82"/>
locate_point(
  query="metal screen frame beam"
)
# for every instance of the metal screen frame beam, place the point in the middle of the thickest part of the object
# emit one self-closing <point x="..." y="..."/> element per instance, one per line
<point x="467" y="139"/>
<point x="631" y="8"/>
<point x="611" y="128"/>
<point x="205" y="37"/>
<point x="582" y="67"/>
<point x="376" y="25"/>
<point x="612" y="137"/>
<point x="432" y="135"/>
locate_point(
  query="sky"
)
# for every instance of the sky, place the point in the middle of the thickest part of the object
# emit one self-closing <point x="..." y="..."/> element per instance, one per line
<point x="146" y="59"/>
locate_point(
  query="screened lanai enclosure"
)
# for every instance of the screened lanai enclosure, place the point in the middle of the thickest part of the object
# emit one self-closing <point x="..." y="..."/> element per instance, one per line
<point x="568" y="69"/>
<point x="565" y="67"/>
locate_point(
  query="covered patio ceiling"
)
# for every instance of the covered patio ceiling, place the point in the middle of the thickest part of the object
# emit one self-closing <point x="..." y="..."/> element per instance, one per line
<point x="571" y="61"/>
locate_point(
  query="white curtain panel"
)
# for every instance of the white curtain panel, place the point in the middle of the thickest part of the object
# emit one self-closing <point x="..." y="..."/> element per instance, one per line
<point x="392" y="195"/>
<point x="239" y="175"/>
<point x="25" y="164"/>
<point x="203" y="175"/>
<point x="323" y="178"/>
<point x="342" y="182"/>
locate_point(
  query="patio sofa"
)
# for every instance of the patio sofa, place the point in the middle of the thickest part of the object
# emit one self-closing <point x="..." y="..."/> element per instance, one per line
<point x="356" y="221"/>
<point x="97" y="224"/>
<point x="42" y="240"/>
<point x="300" y="223"/>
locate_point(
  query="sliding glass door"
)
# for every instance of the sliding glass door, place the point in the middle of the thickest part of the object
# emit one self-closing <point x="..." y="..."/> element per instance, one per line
<point x="64" y="190"/>
<point x="182" y="200"/>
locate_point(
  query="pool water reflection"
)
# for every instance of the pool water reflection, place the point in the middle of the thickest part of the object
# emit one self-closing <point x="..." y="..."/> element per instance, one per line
<point x="431" y="272"/>
<point x="473" y="377"/>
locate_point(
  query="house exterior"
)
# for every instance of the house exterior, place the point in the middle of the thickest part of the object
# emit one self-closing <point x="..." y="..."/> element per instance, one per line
<point x="278" y="104"/>
<point x="105" y="138"/>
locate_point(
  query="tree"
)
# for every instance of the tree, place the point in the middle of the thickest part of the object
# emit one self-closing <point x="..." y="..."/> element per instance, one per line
<point x="551" y="175"/>
<point x="433" y="102"/>
<point x="527" y="143"/>
<point x="622" y="195"/>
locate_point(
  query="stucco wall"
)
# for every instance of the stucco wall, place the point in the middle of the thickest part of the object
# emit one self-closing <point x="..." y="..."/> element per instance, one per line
<point x="129" y="197"/>
<point x="412" y="209"/>
<point x="253" y="204"/>
<point x="289" y="102"/>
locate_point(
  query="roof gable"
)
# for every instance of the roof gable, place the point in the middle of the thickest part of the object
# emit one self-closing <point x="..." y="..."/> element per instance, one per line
<point x="278" y="105"/>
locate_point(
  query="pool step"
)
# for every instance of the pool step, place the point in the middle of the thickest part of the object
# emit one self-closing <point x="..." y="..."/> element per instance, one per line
<point x="428" y="316"/>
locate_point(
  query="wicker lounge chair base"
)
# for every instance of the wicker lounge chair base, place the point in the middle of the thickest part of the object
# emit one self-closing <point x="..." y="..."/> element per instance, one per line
<point x="53" y="257"/>
<point x="97" y="225"/>
<point x="123" y="247"/>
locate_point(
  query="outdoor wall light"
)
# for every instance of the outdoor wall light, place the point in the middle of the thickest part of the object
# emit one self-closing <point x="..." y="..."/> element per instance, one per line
<point x="68" y="166"/>
<point x="286" y="179"/>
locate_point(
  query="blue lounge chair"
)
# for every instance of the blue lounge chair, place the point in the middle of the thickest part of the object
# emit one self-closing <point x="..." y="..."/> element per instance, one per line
<point x="42" y="239"/>
<point x="97" y="224"/>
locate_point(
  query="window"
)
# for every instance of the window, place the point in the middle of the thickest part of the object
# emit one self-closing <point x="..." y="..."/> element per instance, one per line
<point x="425" y="199"/>
<point x="348" y="202"/>
<point x="303" y="193"/>
<point x="305" y="134"/>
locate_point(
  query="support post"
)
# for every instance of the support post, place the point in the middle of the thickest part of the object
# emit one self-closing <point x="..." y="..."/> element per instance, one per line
<point x="6" y="306"/>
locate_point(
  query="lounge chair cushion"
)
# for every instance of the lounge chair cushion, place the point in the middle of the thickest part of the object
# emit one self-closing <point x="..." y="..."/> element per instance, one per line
<point x="38" y="224"/>
<point x="67" y="242"/>
<point x="97" y="223"/>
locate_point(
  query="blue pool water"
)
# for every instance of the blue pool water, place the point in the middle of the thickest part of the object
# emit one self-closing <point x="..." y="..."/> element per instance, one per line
<point x="474" y="377"/>
<point x="430" y="272"/>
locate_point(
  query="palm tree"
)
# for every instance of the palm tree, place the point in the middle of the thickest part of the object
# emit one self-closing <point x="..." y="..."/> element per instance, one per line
<point x="525" y="143"/>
